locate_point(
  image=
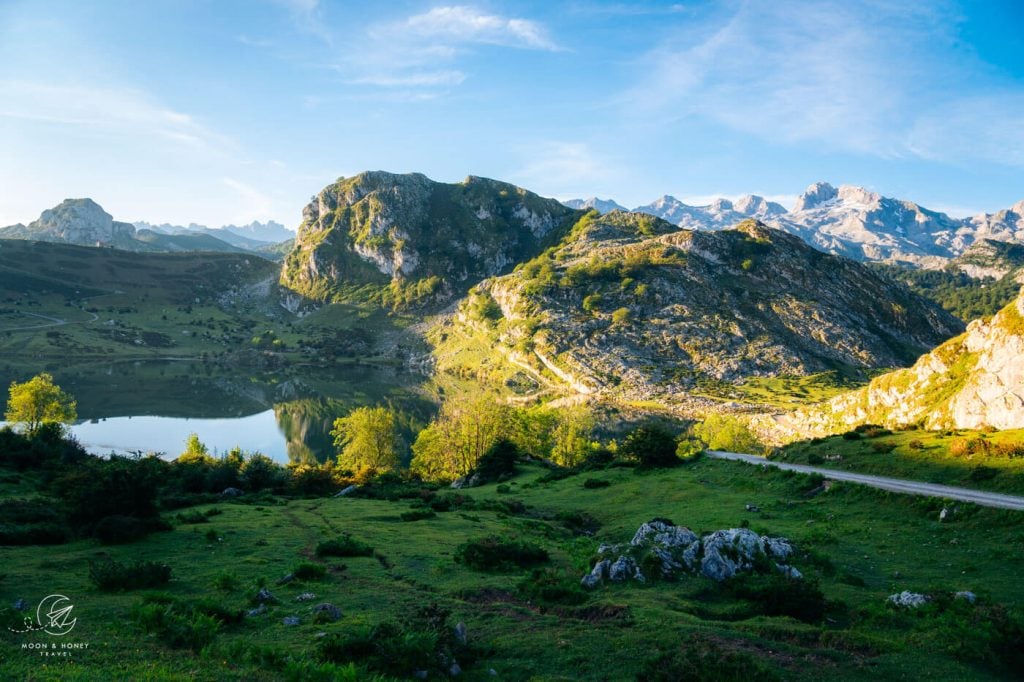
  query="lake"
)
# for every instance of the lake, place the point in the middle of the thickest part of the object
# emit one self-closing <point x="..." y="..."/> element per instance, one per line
<point x="285" y="414"/>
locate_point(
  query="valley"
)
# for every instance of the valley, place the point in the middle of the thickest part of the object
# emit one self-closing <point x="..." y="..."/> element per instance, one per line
<point x="450" y="401"/>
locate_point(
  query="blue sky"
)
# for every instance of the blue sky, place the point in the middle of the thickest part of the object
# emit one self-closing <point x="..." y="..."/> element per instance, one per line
<point x="219" y="111"/>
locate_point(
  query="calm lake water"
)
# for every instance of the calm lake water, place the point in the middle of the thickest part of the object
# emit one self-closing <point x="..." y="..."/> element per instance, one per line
<point x="285" y="414"/>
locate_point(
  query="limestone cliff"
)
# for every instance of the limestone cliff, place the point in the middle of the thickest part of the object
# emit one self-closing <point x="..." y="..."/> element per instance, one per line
<point x="407" y="239"/>
<point x="969" y="382"/>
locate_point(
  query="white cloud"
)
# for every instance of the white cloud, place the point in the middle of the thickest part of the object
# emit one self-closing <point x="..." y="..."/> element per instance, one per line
<point x="108" y="111"/>
<point x="461" y="24"/>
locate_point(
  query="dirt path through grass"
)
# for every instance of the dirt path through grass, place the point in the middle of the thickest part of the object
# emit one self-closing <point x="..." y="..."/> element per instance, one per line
<point x="899" y="485"/>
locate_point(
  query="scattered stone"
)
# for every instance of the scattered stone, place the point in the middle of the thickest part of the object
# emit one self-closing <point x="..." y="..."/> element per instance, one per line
<point x="265" y="595"/>
<point x="320" y="635"/>
<point x="231" y="492"/>
<point x="286" y="579"/>
<point x="492" y="672"/>
<point x="908" y="600"/>
<point x="602" y="549"/>
<point x="290" y="620"/>
<point x="597" y="574"/>
<point x="20" y="605"/>
<point x="470" y="481"/>
<point x="664" y="534"/>
<point x="420" y="674"/>
<point x="752" y="508"/>
<point x="258" y="611"/>
<point x="946" y="514"/>
<point x="461" y="634"/>
<point x="789" y="571"/>
<point x="623" y="569"/>
<point x="967" y="596"/>
<point x="346" y="491"/>
<point x="305" y="596"/>
<point x="326" y="612"/>
<point x="778" y="548"/>
<point x="455" y="670"/>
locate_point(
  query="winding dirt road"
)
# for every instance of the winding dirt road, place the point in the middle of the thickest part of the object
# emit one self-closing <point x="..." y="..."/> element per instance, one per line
<point x="897" y="485"/>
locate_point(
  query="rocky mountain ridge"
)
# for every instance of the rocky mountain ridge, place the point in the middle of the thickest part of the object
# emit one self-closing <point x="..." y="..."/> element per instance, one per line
<point x="252" y="236"/>
<point x="854" y="222"/>
<point x="632" y="306"/>
<point x="402" y="239"/>
<point x="973" y="381"/>
<point x="83" y="222"/>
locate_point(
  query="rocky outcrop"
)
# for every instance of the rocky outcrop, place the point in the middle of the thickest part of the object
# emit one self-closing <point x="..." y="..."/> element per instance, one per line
<point x="407" y="239"/>
<point x="972" y="381"/>
<point x="667" y="551"/>
<point x="631" y="306"/>
<point x="74" y="221"/>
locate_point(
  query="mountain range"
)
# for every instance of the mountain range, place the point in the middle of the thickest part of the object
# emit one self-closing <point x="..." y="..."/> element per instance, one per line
<point x="84" y="222"/>
<point x="849" y="221"/>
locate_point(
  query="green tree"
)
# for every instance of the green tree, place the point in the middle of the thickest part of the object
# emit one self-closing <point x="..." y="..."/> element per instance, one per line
<point x="39" y="401"/>
<point x="452" y="445"/>
<point x="367" y="438"/>
<point x="651" y="445"/>
<point x="573" y="431"/>
<point x="726" y="432"/>
<point x="195" y="451"/>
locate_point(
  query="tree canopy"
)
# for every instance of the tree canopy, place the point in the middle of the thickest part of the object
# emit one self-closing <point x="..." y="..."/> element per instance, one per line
<point x="368" y="438"/>
<point x="39" y="401"/>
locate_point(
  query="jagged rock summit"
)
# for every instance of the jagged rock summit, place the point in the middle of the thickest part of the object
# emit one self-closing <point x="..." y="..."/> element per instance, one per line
<point x="74" y="221"/>
<point x="855" y="222"/>
<point x="973" y="381"/>
<point x="406" y="238"/>
<point x="600" y="205"/>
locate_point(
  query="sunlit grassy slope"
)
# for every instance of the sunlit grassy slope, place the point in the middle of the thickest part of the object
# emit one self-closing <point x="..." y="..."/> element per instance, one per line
<point x="861" y="544"/>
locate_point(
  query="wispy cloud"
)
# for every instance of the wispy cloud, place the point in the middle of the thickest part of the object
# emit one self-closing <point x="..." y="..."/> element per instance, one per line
<point x="881" y="78"/>
<point x="109" y="111"/>
<point x="462" y="24"/>
<point x="425" y="53"/>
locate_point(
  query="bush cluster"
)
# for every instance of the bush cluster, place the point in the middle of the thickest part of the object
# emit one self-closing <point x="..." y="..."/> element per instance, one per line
<point x="498" y="554"/>
<point x="111" y="575"/>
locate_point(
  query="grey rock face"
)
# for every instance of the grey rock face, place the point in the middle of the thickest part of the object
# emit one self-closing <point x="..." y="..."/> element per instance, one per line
<point x="908" y="600"/>
<point x="461" y="634"/>
<point x="623" y="569"/>
<point x="718" y="556"/>
<point x="291" y="620"/>
<point x="305" y="596"/>
<point x="326" y="613"/>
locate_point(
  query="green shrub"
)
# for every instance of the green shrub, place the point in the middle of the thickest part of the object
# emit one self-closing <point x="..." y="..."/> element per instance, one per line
<point x="110" y="575"/>
<point x="550" y="586"/>
<point x="592" y="483"/>
<point x="498" y="554"/>
<point x="310" y="571"/>
<point x="851" y="435"/>
<point x="883" y="448"/>
<point x="344" y="546"/>
<point x="651" y="446"/>
<point x="699" y="659"/>
<point x="423" y="641"/>
<point x="498" y="460"/>
<point x="183" y="627"/>
<point x="418" y="515"/>
<point x="119" y="530"/>
<point x="778" y="595"/>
